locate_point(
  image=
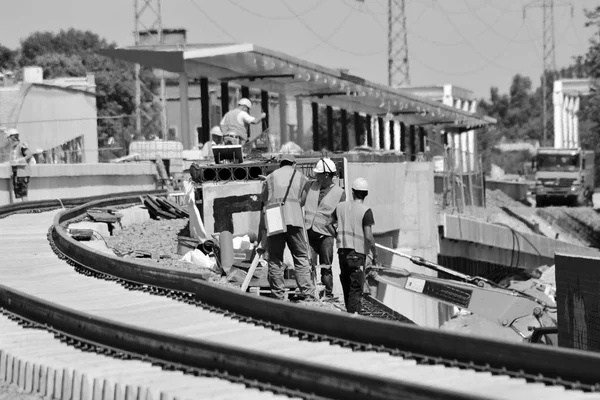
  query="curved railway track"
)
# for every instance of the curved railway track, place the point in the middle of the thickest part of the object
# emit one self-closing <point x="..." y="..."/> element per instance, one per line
<point x="105" y="327"/>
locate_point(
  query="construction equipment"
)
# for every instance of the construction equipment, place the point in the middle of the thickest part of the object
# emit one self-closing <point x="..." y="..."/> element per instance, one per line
<point x="564" y="176"/>
<point x="529" y="313"/>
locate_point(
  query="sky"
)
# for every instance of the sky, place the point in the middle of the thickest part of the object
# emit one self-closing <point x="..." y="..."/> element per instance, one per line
<point x="474" y="44"/>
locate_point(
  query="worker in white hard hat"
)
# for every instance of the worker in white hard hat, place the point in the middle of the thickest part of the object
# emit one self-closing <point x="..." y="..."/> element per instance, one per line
<point x="354" y="224"/>
<point x="20" y="157"/>
<point x="322" y="197"/>
<point x="216" y="138"/>
<point x="233" y="124"/>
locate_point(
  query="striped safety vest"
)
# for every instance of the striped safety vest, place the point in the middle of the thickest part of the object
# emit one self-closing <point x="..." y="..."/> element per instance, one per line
<point x="277" y="184"/>
<point x="230" y="124"/>
<point x="350" y="233"/>
<point x="318" y="216"/>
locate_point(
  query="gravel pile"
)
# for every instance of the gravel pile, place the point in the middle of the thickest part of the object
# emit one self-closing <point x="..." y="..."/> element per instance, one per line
<point x="497" y="198"/>
<point x="13" y="392"/>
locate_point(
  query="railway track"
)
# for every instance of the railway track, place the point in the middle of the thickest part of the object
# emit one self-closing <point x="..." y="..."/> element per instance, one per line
<point x="121" y="327"/>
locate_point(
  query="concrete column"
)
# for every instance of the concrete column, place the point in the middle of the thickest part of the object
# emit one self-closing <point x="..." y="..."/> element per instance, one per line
<point x="187" y="137"/>
<point x="557" y="102"/>
<point x="471" y="148"/>
<point x="570" y="105"/>
<point x="224" y="98"/>
<point x="300" y="118"/>
<point x="397" y="135"/>
<point x="576" y="121"/>
<point x="457" y="153"/>
<point x="386" y="134"/>
<point x="369" y="133"/>
<point x="283" y="127"/>
<point x="330" y="143"/>
<point x="565" y="130"/>
<point x="447" y="98"/>
<point x="375" y="132"/>
<point x="464" y="148"/>
<point x="264" y="105"/>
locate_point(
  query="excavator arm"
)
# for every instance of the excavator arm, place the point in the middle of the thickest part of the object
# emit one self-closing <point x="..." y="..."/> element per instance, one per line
<point x="516" y="310"/>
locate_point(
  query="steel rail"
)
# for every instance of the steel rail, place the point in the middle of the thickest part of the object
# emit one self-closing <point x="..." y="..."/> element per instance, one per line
<point x="572" y="368"/>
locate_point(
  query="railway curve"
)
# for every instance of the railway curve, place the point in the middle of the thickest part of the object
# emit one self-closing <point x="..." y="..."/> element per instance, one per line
<point x="391" y="344"/>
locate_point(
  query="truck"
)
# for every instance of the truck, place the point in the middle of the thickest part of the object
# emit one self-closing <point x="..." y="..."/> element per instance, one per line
<point x="563" y="177"/>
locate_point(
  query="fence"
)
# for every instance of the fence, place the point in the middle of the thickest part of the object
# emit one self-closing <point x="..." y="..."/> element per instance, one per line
<point x="459" y="179"/>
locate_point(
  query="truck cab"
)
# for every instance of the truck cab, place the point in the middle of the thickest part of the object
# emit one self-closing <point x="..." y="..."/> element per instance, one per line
<point x="563" y="177"/>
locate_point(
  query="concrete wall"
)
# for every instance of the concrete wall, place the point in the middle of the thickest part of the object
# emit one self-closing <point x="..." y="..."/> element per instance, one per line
<point x="475" y="240"/>
<point x="515" y="190"/>
<point x="51" y="181"/>
<point x="578" y="302"/>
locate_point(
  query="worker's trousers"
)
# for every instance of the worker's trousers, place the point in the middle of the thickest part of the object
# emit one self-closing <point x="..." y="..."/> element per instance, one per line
<point x="322" y="246"/>
<point x="352" y="278"/>
<point x="294" y="238"/>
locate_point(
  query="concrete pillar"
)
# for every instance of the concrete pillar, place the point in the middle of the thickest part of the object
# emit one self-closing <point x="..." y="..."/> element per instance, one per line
<point x="300" y="118"/>
<point x="283" y="127"/>
<point x="188" y="139"/>
<point x="566" y="138"/>
<point x="471" y="148"/>
<point x="386" y="134"/>
<point x="456" y="148"/>
<point x="447" y="96"/>
<point x="576" y="121"/>
<point x="464" y="148"/>
<point x="397" y="135"/>
<point x="569" y="121"/>
<point x="375" y="132"/>
<point x="557" y="102"/>
<point x="358" y="129"/>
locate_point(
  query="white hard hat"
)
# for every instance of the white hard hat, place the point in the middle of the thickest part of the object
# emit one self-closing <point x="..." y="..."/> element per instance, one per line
<point x="324" y="165"/>
<point x="360" y="184"/>
<point x="245" y="102"/>
<point x="12" y="132"/>
<point x="216" y="130"/>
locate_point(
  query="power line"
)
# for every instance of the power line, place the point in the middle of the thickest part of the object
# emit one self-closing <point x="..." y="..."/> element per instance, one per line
<point x="215" y="23"/>
<point x="335" y="31"/>
<point x="285" y="18"/>
<point x="324" y="40"/>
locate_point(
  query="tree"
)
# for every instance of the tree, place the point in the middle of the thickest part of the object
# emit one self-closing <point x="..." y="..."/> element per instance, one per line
<point x="75" y="53"/>
<point x="7" y="58"/>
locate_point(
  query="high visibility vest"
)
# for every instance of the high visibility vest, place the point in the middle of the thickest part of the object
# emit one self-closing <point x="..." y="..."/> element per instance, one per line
<point x="277" y="184"/>
<point x="350" y="233"/>
<point x="231" y="125"/>
<point x="318" y="216"/>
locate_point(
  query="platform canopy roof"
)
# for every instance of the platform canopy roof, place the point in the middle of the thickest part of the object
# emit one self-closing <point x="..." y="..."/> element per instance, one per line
<point x="254" y="66"/>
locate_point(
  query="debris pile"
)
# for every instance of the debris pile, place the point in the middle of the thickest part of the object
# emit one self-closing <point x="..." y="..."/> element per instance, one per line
<point x="160" y="208"/>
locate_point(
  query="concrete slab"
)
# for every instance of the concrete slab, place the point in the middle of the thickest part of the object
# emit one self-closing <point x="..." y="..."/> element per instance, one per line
<point x="99" y="227"/>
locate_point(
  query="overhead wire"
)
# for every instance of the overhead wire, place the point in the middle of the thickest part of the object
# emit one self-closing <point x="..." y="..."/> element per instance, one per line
<point x="215" y="23"/>
<point x="324" y="40"/>
<point x="284" y="18"/>
<point x="335" y="31"/>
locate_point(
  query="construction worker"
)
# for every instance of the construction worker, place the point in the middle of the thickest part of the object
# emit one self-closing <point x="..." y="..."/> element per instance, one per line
<point x="20" y="156"/>
<point x="216" y="136"/>
<point x="274" y="192"/>
<point x="322" y="197"/>
<point x="234" y="123"/>
<point x="354" y="221"/>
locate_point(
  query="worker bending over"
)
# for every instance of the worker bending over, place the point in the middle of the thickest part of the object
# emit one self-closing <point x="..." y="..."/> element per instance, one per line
<point x="233" y="124"/>
<point x="322" y="198"/>
<point x="287" y="179"/>
<point x="354" y="222"/>
<point x="216" y="138"/>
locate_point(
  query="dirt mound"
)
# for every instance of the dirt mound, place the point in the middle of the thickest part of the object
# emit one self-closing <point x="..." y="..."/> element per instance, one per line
<point x="497" y="198"/>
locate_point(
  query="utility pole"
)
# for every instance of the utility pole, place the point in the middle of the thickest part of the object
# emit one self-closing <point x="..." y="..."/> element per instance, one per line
<point x="147" y="19"/>
<point x="548" y="51"/>
<point x="398" y="71"/>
